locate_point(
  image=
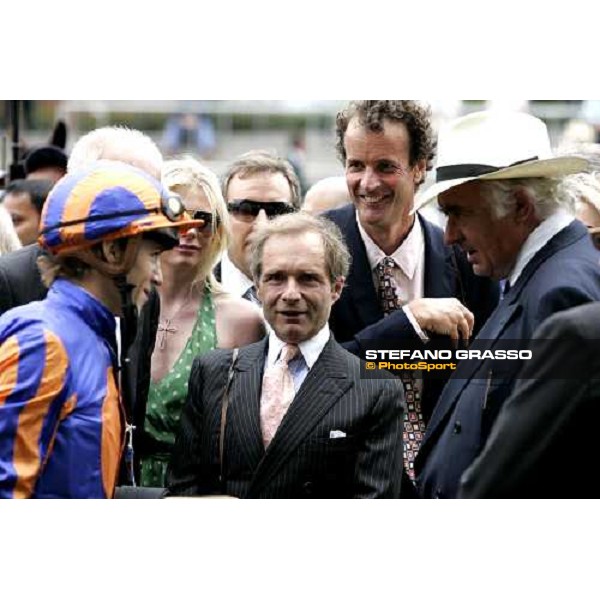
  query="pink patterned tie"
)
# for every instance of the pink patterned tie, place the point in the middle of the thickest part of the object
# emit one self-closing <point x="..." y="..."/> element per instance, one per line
<point x="414" y="424"/>
<point x="277" y="393"/>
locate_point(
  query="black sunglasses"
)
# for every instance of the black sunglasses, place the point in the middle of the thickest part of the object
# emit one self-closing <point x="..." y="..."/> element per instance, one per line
<point x="206" y="217"/>
<point x="249" y="209"/>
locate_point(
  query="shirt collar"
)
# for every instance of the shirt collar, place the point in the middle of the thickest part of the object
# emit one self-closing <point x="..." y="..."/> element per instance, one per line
<point x="89" y="309"/>
<point x="310" y="349"/>
<point x="234" y="281"/>
<point x="537" y="239"/>
<point x="406" y="255"/>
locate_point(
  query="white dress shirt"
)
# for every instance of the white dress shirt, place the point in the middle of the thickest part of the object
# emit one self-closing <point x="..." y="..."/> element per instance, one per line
<point x="232" y="279"/>
<point x="409" y="272"/>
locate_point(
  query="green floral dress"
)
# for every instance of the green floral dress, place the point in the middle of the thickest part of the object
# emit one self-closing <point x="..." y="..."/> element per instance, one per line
<point x="167" y="396"/>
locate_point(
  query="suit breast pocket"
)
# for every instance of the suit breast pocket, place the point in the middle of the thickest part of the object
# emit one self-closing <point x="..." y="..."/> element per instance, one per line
<point x="332" y="457"/>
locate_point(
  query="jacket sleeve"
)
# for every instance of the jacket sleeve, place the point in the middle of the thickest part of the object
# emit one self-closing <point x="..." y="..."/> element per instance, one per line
<point x="6" y="296"/>
<point x="33" y="373"/>
<point x="390" y="329"/>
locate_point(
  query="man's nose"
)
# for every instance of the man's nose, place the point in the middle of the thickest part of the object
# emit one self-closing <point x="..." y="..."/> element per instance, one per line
<point x="261" y="217"/>
<point x="291" y="292"/>
<point x="452" y="233"/>
<point x="370" y="180"/>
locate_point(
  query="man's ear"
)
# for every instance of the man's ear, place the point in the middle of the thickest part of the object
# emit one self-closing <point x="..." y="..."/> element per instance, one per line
<point x="524" y="205"/>
<point x="419" y="171"/>
<point x="337" y="288"/>
<point x="113" y="251"/>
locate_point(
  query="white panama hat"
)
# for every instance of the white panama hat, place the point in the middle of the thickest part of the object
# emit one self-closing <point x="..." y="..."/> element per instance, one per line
<point x="495" y="144"/>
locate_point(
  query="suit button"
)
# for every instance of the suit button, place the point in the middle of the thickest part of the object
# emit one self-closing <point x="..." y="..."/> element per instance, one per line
<point x="438" y="493"/>
<point x="457" y="427"/>
<point x="308" y="488"/>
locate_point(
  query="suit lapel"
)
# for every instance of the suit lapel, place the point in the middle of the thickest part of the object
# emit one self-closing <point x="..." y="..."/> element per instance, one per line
<point x="323" y="387"/>
<point x="359" y="284"/>
<point x="439" y="268"/>
<point x="244" y="410"/>
<point x="466" y="370"/>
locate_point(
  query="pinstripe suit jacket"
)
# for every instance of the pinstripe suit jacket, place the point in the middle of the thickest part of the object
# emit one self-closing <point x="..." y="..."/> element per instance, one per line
<point x="302" y="460"/>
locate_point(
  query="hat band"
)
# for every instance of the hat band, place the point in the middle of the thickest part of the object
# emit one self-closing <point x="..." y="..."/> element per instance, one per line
<point x="471" y="170"/>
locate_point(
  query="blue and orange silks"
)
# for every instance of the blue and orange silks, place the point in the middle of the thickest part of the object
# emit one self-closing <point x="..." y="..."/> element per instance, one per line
<point x="61" y="420"/>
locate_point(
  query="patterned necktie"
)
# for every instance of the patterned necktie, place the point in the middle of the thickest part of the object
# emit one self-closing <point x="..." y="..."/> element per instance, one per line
<point x="277" y="393"/>
<point x="414" y="424"/>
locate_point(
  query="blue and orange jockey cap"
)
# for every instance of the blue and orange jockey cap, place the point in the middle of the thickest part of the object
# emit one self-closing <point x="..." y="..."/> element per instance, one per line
<point x="107" y="201"/>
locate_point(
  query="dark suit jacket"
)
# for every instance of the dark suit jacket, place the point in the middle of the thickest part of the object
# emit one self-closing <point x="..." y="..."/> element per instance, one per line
<point x="563" y="274"/>
<point x="357" y="320"/>
<point x="545" y="442"/>
<point x="20" y="281"/>
<point x="302" y="460"/>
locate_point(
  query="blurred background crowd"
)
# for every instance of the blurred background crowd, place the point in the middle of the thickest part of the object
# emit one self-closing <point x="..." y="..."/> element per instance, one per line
<point x="218" y="130"/>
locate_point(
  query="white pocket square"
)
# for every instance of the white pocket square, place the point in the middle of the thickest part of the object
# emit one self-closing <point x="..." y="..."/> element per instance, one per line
<point x="336" y="433"/>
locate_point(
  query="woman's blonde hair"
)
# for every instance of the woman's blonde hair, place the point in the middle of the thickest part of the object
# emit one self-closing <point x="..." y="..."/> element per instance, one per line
<point x="184" y="175"/>
<point x="9" y="240"/>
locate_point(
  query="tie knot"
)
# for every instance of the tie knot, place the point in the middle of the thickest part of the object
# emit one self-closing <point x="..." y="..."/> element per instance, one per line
<point x="386" y="264"/>
<point x="288" y="352"/>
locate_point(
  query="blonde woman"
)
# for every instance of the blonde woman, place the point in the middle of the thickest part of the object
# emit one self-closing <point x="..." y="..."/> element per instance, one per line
<point x="9" y="240"/>
<point x="196" y="316"/>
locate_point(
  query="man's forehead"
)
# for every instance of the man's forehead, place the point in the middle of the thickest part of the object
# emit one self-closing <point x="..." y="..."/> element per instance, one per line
<point x="252" y="186"/>
<point x="277" y="245"/>
<point x="466" y="194"/>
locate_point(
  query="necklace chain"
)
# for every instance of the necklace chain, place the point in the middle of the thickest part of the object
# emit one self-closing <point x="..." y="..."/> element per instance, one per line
<point x="165" y="325"/>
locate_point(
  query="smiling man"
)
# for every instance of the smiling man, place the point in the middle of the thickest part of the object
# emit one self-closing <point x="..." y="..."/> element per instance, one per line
<point x="301" y="421"/>
<point x="404" y="285"/>
<point x="510" y="209"/>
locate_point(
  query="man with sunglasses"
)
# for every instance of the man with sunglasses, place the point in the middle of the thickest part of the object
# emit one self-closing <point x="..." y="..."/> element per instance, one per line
<point x="257" y="186"/>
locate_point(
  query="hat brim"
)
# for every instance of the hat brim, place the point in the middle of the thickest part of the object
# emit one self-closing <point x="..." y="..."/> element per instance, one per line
<point x="550" y="167"/>
<point x="141" y="226"/>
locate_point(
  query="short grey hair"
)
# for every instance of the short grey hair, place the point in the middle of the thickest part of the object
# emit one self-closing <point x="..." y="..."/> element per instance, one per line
<point x="116" y="143"/>
<point x="257" y="162"/>
<point x="549" y="195"/>
<point x="337" y="256"/>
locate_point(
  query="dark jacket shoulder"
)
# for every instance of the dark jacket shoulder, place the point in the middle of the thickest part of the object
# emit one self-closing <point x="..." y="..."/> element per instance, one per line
<point x="20" y="280"/>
